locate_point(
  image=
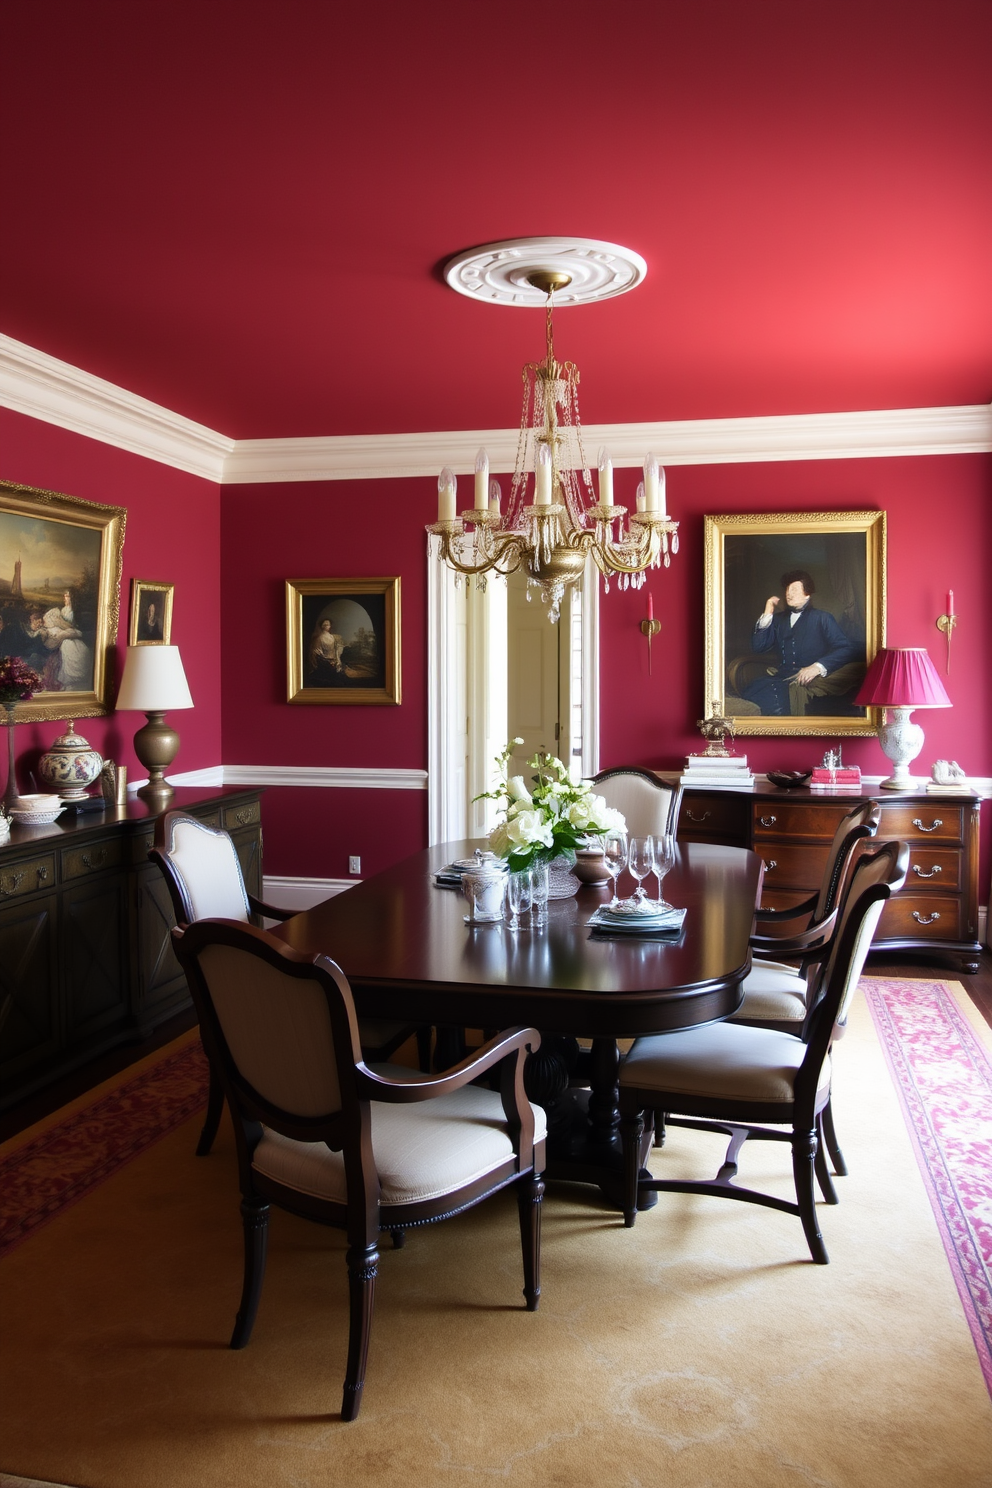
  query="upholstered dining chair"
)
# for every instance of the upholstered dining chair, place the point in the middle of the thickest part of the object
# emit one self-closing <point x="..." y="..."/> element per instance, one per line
<point x="201" y="868"/>
<point x="650" y="806"/>
<point x="740" y="1080"/>
<point x="321" y="1134"/>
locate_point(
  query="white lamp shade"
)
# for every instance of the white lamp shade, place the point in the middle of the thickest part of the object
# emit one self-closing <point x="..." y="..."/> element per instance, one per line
<point x="154" y="680"/>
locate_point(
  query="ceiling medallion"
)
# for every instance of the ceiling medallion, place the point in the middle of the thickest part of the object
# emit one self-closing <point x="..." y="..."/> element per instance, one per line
<point x="551" y="536"/>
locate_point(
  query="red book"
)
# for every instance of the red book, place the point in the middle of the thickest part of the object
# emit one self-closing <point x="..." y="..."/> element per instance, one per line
<point x="845" y="775"/>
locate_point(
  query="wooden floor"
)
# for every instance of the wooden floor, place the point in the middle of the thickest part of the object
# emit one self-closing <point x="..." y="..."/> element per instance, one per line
<point x="43" y="1102"/>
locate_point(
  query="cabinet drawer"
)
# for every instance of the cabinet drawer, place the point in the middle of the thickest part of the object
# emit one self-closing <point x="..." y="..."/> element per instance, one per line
<point x="792" y="867"/>
<point x="938" y="868"/>
<point x="27" y="877"/>
<point x="249" y="814"/>
<point x="923" y="823"/>
<point x="715" y="817"/>
<point x="78" y="862"/>
<point x="921" y="917"/>
<point x="798" y="819"/>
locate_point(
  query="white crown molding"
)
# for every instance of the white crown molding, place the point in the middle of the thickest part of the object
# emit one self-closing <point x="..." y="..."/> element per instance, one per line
<point x="816" y="436"/>
<point x="43" y="387"/>
<point x="342" y="777"/>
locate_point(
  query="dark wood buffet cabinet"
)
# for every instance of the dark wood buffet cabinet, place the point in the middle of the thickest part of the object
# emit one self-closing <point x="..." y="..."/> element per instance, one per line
<point x="85" y="955"/>
<point x="937" y="911"/>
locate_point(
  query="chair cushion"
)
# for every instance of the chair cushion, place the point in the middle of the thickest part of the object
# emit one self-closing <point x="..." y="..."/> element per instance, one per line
<point x="719" y="1060"/>
<point x="783" y="1007"/>
<point x="422" y="1151"/>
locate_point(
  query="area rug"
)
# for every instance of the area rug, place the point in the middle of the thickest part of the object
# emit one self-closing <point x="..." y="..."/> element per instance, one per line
<point x="943" y="1077"/>
<point x="700" y="1349"/>
<point x="42" y="1176"/>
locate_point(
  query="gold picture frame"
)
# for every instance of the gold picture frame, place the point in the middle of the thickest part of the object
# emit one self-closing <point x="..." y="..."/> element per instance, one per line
<point x="746" y="558"/>
<point x="60" y="582"/>
<point x="343" y="641"/>
<point x="151" y="613"/>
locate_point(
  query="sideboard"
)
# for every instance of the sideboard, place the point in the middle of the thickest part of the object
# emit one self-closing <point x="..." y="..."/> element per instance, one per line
<point x="937" y="911"/>
<point x="86" y="958"/>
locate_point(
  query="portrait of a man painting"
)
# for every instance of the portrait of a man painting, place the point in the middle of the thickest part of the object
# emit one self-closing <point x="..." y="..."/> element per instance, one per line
<point x="795" y="610"/>
<point x="151" y="613"/>
<point x="60" y="565"/>
<point x="343" y="640"/>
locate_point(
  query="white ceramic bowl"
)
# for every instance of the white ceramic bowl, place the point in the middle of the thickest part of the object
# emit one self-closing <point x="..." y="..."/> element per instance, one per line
<point x="35" y="811"/>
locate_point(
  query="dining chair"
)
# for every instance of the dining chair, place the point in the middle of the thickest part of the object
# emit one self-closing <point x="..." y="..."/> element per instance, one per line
<point x="650" y="806"/>
<point x="203" y="874"/>
<point x="321" y="1134"/>
<point x="736" y="1079"/>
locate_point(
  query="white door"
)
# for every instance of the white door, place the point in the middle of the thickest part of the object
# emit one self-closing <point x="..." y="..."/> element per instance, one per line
<point x="539" y="676"/>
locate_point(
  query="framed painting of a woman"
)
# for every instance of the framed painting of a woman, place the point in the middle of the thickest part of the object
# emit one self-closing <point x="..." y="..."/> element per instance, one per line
<point x="795" y="611"/>
<point x="343" y="640"/>
<point x="60" y="574"/>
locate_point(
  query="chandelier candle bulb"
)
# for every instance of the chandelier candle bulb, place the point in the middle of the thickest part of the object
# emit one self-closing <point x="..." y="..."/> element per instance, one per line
<point x="662" y="506"/>
<point x="446" y="488"/>
<point x="481" y="480"/>
<point x="542" y="477"/>
<point x="641" y="499"/>
<point x="651" y="483"/>
<point x="605" y="479"/>
<point x="494" y="498"/>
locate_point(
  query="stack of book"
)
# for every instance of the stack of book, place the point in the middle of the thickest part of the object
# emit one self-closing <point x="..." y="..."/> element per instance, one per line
<point x="841" y="778"/>
<point x="709" y="770"/>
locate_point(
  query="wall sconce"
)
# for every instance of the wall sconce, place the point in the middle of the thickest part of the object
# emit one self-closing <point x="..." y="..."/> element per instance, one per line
<point x="946" y="623"/>
<point x="650" y="627"/>
<point x="153" y="682"/>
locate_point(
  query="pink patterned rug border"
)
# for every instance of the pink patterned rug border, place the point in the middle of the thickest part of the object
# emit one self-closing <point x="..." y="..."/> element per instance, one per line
<point x="63" y="1164"/>
<point x="943" y="1078"/>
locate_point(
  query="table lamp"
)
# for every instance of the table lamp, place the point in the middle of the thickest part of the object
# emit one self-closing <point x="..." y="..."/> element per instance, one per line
<point x="901" y="679"/>
<point x="153" y="682"/>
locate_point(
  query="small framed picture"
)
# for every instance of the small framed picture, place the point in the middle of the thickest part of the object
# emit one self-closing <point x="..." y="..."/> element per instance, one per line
<point x="343" y="640"/>
<point x="151" y="613"/>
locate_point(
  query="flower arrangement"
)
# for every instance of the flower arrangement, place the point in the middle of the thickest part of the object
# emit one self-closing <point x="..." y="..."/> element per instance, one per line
<point x="551" y="819"/>
<point x="17" y="681"/>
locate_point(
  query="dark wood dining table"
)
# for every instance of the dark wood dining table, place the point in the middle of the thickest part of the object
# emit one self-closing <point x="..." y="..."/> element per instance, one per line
<point x="404" y="946"/>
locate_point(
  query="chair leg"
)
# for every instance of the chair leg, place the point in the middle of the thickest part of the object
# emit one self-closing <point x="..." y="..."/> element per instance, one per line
<point x="215" y="1109"/>
<point x="255" y="1222"/>
<point x="659" y="1128"/>
<point x="530" y="1192"/>
<point x="631" y="1135"/>
<point x="398" y="1237"/>
<point x="803" y="1158"/>
<point x="363" y="1267"/>
<point x="822" y="1170"/>
<point x="830" y="1140"/>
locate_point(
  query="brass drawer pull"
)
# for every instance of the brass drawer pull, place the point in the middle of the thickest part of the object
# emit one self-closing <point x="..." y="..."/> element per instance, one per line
<point x="697" y="819"/>
<point x="932" y="874"/>
<point x="768" y="821"/>
<point x="936" y="823"/>
<point x="11" y="883"/>
<point x="772" y="863"/>
<point x="244" y="817"/>
<point x="925" y="919"/>
<point x="94" y="860"/>
<point x="42" y="874"/>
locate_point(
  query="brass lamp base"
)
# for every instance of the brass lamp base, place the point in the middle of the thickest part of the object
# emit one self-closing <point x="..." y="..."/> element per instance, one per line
<point x="156" y="746"/>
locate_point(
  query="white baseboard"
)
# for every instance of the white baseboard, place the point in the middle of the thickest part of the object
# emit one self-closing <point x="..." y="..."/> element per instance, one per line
<point x="302" y="893"/>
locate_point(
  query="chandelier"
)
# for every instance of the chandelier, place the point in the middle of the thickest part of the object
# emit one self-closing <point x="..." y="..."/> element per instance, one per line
<point x="549" y="529"/>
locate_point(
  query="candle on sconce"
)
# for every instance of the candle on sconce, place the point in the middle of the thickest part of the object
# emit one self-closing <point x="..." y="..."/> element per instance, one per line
<point x="447" y="486"/>
<point x="950" y="601"/>
<point x="481" y="480"/>
<point x="650" y="606"/>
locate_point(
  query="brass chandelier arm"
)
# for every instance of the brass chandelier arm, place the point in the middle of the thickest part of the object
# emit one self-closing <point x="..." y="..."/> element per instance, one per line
<point x="505" y="550"/>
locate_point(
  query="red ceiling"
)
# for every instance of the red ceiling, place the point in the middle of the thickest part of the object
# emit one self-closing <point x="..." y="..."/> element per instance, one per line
<point x="236" y="208"/>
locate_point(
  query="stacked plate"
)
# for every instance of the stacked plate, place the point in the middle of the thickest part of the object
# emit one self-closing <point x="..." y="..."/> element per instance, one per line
<point x="450" y="876"/>
<point x="643" y="917"/>
<point x="35" y="811"/>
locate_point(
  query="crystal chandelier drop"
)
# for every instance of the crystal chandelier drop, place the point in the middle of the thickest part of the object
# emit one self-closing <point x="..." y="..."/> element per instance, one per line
<point x="566" y="520"/>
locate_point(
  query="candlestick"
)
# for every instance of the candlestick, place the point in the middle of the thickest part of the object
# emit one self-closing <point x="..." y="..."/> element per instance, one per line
<point x="650" y="606"/>
<point x="650" y="628"/>
<point x="947" y="623"/>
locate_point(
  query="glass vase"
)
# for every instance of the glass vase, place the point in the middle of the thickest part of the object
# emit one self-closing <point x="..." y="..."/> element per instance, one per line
<point x="562" y="883"/>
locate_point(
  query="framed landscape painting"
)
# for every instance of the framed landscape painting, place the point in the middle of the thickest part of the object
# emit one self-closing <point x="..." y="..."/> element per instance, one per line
<point x="343" y="640"/>
<point x="795" y="611"/>
<point x="60" y="578"/>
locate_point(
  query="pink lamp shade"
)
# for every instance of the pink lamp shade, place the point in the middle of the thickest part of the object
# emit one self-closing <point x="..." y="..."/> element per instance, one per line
<point x="902" y="677"/>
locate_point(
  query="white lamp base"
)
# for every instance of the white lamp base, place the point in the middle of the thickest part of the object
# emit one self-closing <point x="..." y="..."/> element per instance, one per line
<point x="901" y="741"/>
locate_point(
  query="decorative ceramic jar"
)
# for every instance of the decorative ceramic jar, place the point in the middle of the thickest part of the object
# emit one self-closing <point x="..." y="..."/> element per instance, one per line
<point x="69" y="766"/>
<point x="590" y="866"/>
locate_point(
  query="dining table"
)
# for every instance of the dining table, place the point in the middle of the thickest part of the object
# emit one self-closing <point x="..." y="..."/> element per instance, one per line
<point x="409" y="955"/>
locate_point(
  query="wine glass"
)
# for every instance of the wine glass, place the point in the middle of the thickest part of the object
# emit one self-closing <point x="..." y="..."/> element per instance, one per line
<point x="518" y="895"/>
<point x="615" y="859"/>
<point x="662" y="857"/>
<point x="640" y="861"/>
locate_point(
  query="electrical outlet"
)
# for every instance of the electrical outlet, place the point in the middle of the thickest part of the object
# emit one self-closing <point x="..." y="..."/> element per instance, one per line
<point x="354" y="865"/>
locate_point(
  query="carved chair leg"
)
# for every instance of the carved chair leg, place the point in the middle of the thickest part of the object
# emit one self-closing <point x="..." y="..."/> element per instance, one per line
<point x="363" y="1267"/>
<point x="255" y="1222"/>
<point x="530" y="1192"/>
<point x="830" y="1140"/>
<point x="631" y="1135"/>
<point x="215" y="1109"/>
<point x="803" y="1158"/>
<point x="822" y="1170"/>
<point x="659" y="1128"/>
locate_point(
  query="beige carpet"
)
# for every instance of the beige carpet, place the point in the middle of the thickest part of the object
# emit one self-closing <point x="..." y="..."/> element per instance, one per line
<point x="701" y="1348"/>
